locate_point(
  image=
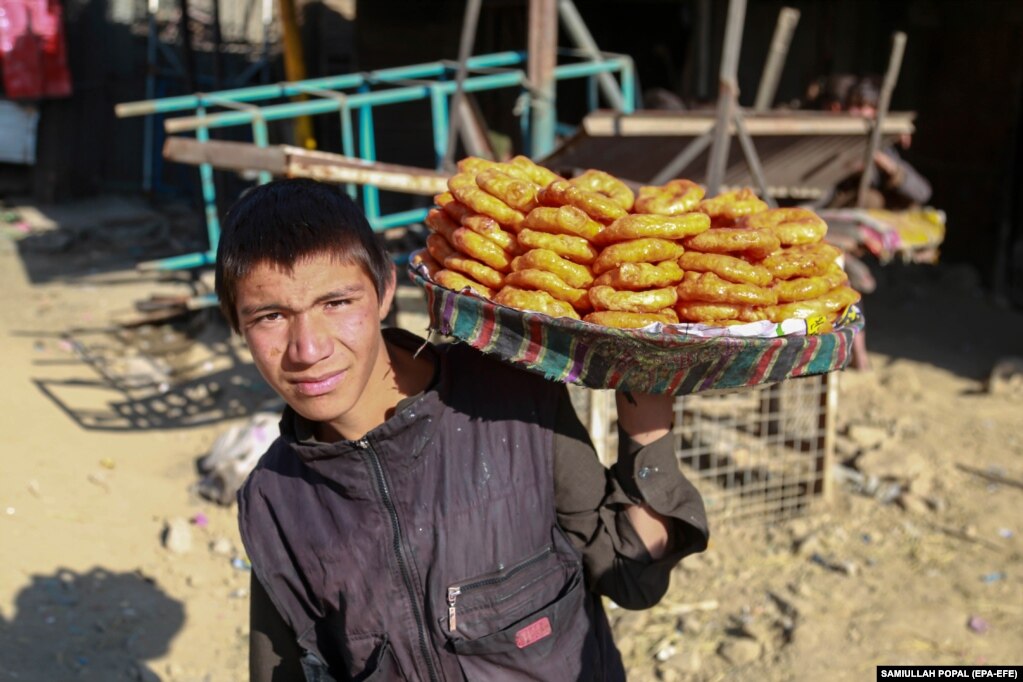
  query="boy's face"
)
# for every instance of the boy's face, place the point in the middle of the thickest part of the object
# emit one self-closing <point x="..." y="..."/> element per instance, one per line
<point x="314" y="334"/>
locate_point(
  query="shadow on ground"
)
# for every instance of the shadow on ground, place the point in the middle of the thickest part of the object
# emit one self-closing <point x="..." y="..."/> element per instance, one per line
<point x="96" y="625"/>
<point x="942" y="316"/>
<point x="182" y="373"/>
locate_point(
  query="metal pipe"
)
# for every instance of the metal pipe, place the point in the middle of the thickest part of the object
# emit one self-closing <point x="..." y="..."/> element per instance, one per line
<point x="209" y="194"/>
<point x="582" y="38"/>
<point x="323" y="106"/>
<point x="257" y="92"/>
<point x="392" y="96"/>
<point x="891" y="76"/>
<point x="469" y="22"/>
<point x="783" y="30"/>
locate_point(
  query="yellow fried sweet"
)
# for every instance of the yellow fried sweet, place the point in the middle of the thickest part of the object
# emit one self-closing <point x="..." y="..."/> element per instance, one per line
<point x="464" y="188"/>
<point x="725" y="208"/>
<point x="517" y="193"/>
<point x="806" y="288"/>
<point x="627" y="320"/>
<point x="562" y="220"/>
<point x="756" y="244"/>
<point x="649" y="301"/>
<point x="732" y="268"/>
<point x="575" y="249"/>
<point x="712" y="313"/>
<point x="792" y="225"/>
<point x="640" y="276"/>
<point x="642" y="225"/>
<point x="709" y="288"/>
<point x="808" y="260"/>
<point x="536" y="301"/>
<point x="830" y="305"/>
<point x="438" y="247"/>
<point x="484" y="274"/>
<point x="647" y="250"/>
<point x="449" y="279"/>
<point x="594" y="204"/>
<point x="481" y="248"/>
<point x="608" y="185"/>
<point x="537" y="173"/>
<point x="492" y="230"/>
<point x="474" y="165"/>
<point x="541" y="280"/>
<point x="574" y="274"/>
<point x="672" y="198"/>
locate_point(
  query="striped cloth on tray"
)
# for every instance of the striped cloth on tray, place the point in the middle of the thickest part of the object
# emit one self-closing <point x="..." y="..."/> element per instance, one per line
<point x="571" y="351"/>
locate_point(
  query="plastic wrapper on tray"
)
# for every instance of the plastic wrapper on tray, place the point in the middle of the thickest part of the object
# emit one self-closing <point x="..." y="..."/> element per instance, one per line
<point x="675" y="359"/>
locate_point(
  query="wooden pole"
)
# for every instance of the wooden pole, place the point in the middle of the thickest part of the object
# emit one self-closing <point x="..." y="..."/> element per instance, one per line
<point x="468" y="39"/>
<point x="294" y="67"/>
<point x="891" y="76"/>
<point x="728" y="95"/>
<point x="752" y="160"/>
<point x="543" y="57"/>
<point x="783" y="30"/>
<point x="683" y="158"/>
<point x="582" y="38"/>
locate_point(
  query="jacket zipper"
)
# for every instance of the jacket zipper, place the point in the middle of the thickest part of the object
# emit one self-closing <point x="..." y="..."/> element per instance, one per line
<point x="399" y="551"/>
<point x="456" y="590"/>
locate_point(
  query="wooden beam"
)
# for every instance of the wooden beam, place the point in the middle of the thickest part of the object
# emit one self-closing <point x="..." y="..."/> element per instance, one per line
<point x="329" y="167"/>
<point x="295" y="162"/>
<point x="235" y="156"/>
<point x="666" y="123"/>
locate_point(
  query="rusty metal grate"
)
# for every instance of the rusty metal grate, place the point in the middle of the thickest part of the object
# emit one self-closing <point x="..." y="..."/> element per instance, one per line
<point x="757" y="455"/>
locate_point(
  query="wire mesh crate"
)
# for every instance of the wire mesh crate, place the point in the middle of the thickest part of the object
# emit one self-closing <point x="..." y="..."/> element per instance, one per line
<point x="760" y="454"/>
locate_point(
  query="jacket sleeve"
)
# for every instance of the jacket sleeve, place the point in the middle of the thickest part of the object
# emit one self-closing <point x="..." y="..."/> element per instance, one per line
<point x="591" y="502"/>
<point x="907" y="181"/>
<point x="274" y="654"/>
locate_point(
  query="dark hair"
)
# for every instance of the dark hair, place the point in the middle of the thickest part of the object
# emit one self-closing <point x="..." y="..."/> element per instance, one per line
<point x="284" y="221"/>
<point x="830" y="92"/>
<point x="864" y="94"/>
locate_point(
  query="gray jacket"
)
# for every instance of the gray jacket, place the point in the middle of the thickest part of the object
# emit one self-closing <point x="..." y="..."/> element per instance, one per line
<point x="431" y="549"/>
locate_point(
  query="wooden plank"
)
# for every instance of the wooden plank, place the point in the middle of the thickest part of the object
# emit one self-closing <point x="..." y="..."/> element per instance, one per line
<point x="670" y="123"/>
<point x="236" y="156"/>
<point x="343" y="169"/>
<point x="801" y="167"/>
<point x="295" y="162"/>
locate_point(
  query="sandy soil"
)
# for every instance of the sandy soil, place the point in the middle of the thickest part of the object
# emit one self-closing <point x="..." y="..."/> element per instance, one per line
<point x="103" y="426"/>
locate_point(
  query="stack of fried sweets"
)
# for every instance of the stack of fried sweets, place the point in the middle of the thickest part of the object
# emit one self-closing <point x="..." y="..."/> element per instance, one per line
<point x="590" y="248"/>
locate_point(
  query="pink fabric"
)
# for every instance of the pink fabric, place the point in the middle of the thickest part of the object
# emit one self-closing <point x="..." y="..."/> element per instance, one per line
<point x="33" y="55"/>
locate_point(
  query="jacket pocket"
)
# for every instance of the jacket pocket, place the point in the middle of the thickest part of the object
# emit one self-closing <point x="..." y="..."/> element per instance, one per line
<point x="365" y="659"/>
<point x="529" y="621"/>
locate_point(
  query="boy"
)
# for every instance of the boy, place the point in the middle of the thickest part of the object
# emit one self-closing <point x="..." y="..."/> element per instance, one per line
<point x="427" y="513"/>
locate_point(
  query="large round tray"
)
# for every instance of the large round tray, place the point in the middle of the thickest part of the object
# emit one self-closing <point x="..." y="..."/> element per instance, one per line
<point x="592" y="355"/>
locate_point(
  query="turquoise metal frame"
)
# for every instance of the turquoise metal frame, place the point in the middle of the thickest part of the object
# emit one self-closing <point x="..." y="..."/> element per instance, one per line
<point x="254" y="106"/>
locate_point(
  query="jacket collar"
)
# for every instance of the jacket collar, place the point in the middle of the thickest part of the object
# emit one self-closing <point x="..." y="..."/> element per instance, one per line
<point x="415" y="413"/>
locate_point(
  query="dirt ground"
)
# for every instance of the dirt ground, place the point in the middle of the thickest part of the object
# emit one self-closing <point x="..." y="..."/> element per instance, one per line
<point x="115" y="568"/>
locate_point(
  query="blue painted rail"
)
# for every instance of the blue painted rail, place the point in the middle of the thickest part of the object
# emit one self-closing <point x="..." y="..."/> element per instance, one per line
<point x="360" y="93"/>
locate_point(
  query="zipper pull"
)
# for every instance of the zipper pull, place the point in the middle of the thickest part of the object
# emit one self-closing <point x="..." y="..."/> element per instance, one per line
<point x="362" y="443"/>
<point x="453" y="593"/>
